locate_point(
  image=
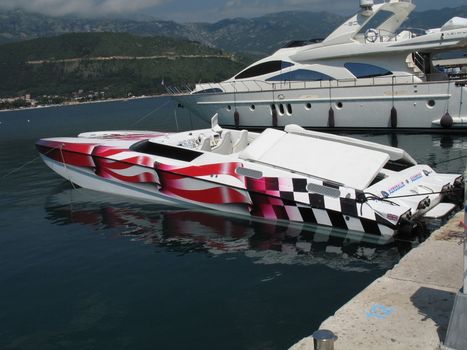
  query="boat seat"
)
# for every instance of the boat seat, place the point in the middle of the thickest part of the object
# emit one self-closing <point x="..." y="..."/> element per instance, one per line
<point x="224" y="145"/>
<point x="204" y="143"/>
<point x="241" y="142"/>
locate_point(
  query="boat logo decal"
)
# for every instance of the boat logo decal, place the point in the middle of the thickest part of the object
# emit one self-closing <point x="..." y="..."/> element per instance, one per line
<point x="416" y="177"/>
<point x="396" y="187"/>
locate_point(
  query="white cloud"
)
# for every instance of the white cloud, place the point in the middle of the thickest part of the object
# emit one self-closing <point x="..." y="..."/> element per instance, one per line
<point x="80" y="7"/>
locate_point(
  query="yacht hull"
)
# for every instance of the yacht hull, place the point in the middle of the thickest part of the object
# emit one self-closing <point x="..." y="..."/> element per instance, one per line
<point x="418" y="106"/>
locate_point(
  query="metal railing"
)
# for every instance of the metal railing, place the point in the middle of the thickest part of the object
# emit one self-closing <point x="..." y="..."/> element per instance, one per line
<point x="258" y="86"/>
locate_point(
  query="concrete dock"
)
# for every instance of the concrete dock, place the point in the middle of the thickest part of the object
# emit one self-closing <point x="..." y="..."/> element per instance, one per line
<point x="410" y="306"/>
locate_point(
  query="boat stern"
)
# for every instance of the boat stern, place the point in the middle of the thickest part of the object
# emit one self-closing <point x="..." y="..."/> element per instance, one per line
<point x="415" y="195"/>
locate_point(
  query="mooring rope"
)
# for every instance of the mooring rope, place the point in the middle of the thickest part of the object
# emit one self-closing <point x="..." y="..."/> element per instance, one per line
<point x="149" y="113"/>
<point x="449" y="160"/>
<point x="20" y="168"/>
<point x="25" y="164"/>
<point x="52" y="149"/>
<point x="66" y="168"/>
<point x="408" y="195"/>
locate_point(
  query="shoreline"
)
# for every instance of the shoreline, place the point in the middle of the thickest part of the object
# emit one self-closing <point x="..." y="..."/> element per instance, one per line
<point x="66" y="104"/>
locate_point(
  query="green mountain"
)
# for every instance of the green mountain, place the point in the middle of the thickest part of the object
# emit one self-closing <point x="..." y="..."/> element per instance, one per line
<point x="115" y="64"/>
<point x="266" y="34"/>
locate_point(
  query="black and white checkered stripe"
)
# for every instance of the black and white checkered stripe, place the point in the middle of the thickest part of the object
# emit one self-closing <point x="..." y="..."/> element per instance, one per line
<point x="348" y="211"/>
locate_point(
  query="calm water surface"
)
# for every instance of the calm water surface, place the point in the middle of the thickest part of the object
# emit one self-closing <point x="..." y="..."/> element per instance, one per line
<point x="84" y="270"/>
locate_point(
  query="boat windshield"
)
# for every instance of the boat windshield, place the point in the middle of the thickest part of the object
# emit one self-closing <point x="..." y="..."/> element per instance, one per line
<point x="377" y="20"/>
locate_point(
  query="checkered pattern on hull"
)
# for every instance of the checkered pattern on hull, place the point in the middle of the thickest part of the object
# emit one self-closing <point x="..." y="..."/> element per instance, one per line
<point x="289" y="199"/>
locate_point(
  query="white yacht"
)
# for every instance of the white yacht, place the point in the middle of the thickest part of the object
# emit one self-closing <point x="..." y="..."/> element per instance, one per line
<point x="368" y="74"/>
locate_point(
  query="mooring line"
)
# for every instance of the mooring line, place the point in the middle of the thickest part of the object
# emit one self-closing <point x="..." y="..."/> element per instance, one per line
<point x="25" y="164"/>
<point x="19" y="168"/>
<point x="35" y="158"/>
<point x="151" y="112"/>
<point x="449" y="160"/>
<point x="408" y="195"/>
<point x="66" y="168"/>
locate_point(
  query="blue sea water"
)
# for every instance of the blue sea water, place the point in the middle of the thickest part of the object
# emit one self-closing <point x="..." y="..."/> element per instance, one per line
<point x="85" y="270"/>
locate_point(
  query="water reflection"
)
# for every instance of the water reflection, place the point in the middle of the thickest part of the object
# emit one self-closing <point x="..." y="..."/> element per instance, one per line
<point x="186" y="231"/>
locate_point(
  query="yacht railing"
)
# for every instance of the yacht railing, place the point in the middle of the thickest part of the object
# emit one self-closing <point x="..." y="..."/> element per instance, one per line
<point x="382" y="35"/>
<point x="259" y="86"/>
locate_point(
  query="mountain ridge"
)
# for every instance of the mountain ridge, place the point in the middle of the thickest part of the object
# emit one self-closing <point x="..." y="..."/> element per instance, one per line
<point x="255" y="36"/>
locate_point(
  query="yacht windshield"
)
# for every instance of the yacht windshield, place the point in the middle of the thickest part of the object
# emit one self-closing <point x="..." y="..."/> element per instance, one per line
<point x="301" y="75"/>
<point x="377" y="20"/>
<point x="263" y="68"/>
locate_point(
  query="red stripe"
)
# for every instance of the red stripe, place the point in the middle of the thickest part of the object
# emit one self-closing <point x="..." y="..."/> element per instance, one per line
<point x="109" y="152"/>
<point x="85" y="148"/>
<point x="203" y="170"/>
<point x="70" y="158"/>
<point x="216" y="195"/>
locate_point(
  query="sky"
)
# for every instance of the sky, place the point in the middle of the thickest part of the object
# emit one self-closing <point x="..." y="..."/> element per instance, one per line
<point x="196" y="10"/>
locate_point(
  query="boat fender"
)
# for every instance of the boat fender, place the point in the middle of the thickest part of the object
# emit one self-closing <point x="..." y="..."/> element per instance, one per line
<point x="394" y="142"/>
<point x="274" y="118"/>
<point x="237" y="119"/>
<point x="446" y="121"/>
<point x="393" y="119"/>
<point x="331" y="119"/>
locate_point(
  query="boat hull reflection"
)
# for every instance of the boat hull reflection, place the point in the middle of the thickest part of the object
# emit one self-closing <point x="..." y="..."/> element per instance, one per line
<point x="190" y="231"/>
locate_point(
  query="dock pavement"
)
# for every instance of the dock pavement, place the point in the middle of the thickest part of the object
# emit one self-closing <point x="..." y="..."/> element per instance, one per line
<point x="410" y="306"/>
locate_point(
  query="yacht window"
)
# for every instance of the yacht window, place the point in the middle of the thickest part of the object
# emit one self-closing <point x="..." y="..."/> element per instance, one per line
<point x="301" y="75"/>
<point x="263" y="68"/>
<point x="362" y="70"/>
<point x="281" y="109"/>
<point x="299" y="43"/>
<point x="209" y="91"/>
<point x="377" y="20"/>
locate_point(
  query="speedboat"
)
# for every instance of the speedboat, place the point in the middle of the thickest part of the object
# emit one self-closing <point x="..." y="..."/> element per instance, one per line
<point x="293" y="175"/>
<point x="368" y="74"/>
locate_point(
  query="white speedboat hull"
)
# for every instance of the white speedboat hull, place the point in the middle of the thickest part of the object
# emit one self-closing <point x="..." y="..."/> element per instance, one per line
<point x="333" y="181"/>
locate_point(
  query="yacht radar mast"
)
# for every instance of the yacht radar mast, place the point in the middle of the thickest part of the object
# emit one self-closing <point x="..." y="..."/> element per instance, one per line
<point x="367" y="7"/>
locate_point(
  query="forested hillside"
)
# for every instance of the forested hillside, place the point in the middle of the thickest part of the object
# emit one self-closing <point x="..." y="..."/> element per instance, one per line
<point x="113" y="64"/>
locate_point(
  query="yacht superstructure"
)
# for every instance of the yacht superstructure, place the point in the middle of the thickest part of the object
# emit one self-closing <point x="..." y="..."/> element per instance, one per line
<point x="367" y="74"/>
